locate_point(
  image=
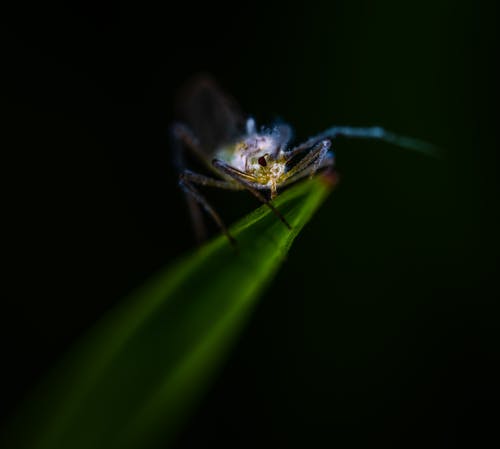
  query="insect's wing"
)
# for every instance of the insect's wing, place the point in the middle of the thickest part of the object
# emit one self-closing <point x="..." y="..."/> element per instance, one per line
<point x="212" y="116"/>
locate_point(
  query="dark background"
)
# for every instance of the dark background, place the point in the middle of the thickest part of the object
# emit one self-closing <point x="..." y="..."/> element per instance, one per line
<point x="382" y="325"/>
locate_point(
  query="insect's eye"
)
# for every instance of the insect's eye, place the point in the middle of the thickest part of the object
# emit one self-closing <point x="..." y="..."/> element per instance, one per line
<point x="262" y="161"/>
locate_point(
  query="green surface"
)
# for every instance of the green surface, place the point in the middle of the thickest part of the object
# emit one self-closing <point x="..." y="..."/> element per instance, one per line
<point x="141" y="369"/>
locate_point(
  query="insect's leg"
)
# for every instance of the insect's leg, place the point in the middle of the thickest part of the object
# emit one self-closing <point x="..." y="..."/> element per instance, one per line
<point x="304" y="146"/>
<point x="183" y="139"/>
<point x="323" y="153"/>
<point x="235" y="174"/>
<point x="311" y="161"/>
<point x="200" y="230"/>
<point x="186" y="184"/>
<point x="203" y="180"/>
<point x="195" y="178"/>
<point x="327" y="162"/>
<point x="373" y="132"/>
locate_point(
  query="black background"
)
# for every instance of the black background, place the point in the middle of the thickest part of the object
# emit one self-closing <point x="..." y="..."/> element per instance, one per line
<point x="382" y="326"/>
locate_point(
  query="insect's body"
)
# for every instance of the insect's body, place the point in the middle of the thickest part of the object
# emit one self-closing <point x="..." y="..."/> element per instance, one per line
<point x="259" y="157"/>
<point x="244" y="158"/>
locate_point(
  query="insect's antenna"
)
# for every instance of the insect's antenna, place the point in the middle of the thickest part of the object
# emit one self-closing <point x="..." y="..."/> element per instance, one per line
<point x="283" y="133"/>
<point x="376" y="132"/>
<point x="251" y="126"/>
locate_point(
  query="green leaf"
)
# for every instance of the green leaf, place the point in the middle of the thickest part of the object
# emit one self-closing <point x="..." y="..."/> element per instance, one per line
<point x="141" y="369"/>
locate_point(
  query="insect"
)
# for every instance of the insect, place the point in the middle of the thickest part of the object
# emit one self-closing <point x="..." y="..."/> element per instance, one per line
<point x="242" y="157"/>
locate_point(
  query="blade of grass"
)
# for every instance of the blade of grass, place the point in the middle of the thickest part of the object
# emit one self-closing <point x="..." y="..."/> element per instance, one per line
<point x="142" y="368"/>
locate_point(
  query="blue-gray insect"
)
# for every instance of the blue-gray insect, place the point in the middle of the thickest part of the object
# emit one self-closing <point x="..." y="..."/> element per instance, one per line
<point x="242" y="157"/>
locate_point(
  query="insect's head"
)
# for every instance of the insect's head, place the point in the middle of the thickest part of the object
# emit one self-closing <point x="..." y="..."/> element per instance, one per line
<point x="262" y="155"/>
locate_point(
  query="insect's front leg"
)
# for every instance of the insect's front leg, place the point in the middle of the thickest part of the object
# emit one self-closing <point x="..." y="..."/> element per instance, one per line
<point x="311" y="162"/>
<point x="242" y="179"/>
<point x="328" y="162"/>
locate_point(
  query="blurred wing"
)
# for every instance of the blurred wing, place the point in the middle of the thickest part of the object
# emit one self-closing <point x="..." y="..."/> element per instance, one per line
<point x="214" y="117"/>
